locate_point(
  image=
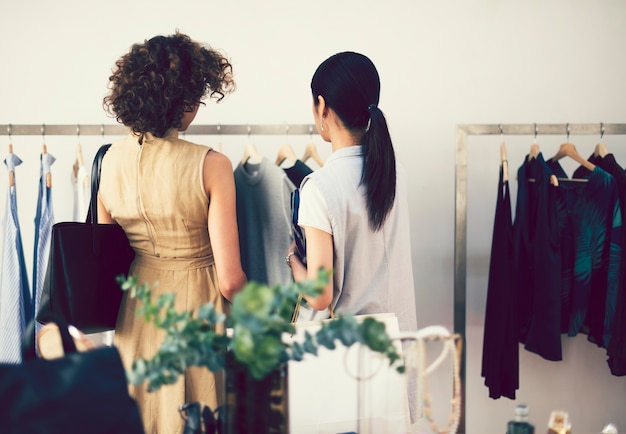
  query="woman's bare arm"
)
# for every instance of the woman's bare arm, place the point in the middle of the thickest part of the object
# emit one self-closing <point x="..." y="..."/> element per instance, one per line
<point x="219" y="183"/>
<point x="319" y="255"/>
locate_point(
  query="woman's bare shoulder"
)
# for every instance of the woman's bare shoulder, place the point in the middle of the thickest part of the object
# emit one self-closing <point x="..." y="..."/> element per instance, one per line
<point x="217" y="171"/>
<point x="216" y="160"/>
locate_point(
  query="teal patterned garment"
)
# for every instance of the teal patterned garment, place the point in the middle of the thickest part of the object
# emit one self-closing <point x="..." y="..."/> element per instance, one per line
<point x="590" y="224"/>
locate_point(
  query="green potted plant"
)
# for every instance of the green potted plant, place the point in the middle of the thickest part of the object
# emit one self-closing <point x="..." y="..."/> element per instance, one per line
<point x="254" y="351"/>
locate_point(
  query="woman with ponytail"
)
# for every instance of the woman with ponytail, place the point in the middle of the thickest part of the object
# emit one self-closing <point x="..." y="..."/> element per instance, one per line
<point x="354" y="210"/>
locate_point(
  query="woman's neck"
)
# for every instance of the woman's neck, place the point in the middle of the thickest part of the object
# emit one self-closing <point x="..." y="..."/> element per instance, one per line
<point x="342" y="138"/>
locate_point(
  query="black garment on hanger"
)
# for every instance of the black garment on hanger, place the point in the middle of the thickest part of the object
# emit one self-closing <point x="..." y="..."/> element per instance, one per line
<point x="538" y="260"/>
<point x="297" y="172"/>
<point x="500" y="362"/>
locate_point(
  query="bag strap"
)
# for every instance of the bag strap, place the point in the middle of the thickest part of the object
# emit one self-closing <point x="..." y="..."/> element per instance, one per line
<point x="96" y="168"/>
<point x="296" y="310"/>
<point x="92" y="214"/>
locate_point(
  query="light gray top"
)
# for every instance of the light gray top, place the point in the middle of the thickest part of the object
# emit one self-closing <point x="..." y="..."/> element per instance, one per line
<point x="372" y="271"/>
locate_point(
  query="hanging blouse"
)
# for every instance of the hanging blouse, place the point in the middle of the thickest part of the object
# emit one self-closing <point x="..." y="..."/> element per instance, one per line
<point x="589" y="213"/>
<point x="538" y="260"/>
<point x="15" y="308"/>
<point x="616" y="350"/>
<point x="617" y="343"/>
<point x="44" y="219"/>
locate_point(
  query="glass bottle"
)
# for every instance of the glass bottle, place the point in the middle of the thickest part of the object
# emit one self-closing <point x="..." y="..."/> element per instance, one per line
<point x="609" y="429"/>
<point x="520" y="424"/>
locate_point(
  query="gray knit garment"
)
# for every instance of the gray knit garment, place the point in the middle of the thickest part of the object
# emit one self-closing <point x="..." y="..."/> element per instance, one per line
<point x="264" y="220"/>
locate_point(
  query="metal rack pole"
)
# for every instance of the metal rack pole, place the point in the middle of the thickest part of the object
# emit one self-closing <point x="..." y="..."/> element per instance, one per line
<point x="113" y="130"/>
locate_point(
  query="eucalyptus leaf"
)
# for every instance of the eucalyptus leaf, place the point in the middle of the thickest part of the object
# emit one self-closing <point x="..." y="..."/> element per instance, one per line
<point x="259" y="318"/>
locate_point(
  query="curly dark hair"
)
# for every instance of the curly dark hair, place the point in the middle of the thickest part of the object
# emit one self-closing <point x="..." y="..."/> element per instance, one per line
<point x="156" y="82"/>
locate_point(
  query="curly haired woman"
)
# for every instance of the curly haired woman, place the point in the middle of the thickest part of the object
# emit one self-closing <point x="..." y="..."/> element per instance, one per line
<point x="174" y="199"/>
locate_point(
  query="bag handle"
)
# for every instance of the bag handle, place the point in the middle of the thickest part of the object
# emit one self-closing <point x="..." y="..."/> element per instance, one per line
<point x="96" y="168"/>
<point x="92" y="214"/>
<point x="296" y="310"/>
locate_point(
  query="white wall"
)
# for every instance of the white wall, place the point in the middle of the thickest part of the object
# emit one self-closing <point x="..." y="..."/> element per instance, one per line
<point x="441" y="63"/>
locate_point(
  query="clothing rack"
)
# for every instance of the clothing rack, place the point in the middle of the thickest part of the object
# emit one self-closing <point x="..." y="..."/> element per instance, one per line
<point x="460" y="233"/>
<point x="117" y="129"/>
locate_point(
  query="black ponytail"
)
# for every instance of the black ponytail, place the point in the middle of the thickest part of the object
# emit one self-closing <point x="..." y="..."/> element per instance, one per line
<point x="379" y="169"/>
<point x="350" y="85"/>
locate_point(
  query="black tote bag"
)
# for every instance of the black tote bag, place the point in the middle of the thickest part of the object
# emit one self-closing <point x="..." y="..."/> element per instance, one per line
<point x="85" y="258"/>
<point x="81" y="392"/>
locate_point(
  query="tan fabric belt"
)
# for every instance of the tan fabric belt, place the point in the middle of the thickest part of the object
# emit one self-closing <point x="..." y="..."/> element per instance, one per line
<point x="174" y="264"/>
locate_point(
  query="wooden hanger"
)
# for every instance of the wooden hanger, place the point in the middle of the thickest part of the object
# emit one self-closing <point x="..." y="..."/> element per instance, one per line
<point x="79" y="155"/>
<point x="285" y="152"/>
<point x="11" y="173"/>
<point x="249" y="151"/>
<point x="601" y="150"/>
<point x="534" y="148"/>
<point x="79" y="161"/>
<point x="533" y="153"/>
<point x="44" y="148"/>
<point x="311" y="152"/>
<point x="44" y="151"/>
<point x="219" y="142"/>
<point x="505" y="163"/>
<point x="569" y="150"/>
<point x="503" y="159"/>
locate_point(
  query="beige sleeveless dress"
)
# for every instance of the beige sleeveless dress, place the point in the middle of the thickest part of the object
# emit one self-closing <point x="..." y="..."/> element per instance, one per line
<point x="155" y="192"/>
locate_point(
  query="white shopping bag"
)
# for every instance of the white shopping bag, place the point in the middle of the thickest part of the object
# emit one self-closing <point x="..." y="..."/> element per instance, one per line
<point x="336" y="391"/>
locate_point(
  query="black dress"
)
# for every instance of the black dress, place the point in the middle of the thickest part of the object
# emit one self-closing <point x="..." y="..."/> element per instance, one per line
<point x="500" y="362"/>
